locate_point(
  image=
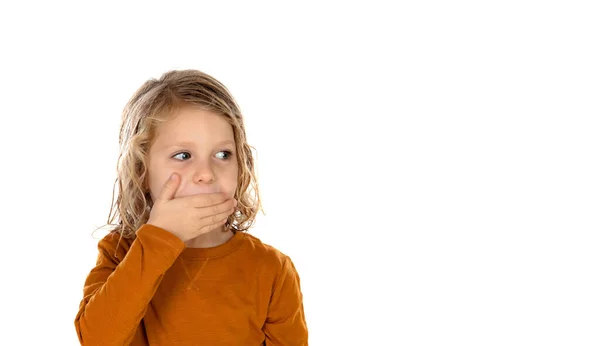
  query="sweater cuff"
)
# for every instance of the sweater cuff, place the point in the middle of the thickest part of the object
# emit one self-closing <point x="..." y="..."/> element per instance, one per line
<point x="162" y="235"/>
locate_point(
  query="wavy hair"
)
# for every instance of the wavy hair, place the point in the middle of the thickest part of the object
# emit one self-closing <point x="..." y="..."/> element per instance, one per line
<point x="154" y="103"/>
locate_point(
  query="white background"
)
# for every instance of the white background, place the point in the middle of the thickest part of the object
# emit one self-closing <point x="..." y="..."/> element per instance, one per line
<point x="432" y="167"/>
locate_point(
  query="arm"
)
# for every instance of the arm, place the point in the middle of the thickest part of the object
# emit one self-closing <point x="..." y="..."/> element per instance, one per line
<point x="286" y="324"/>
<point x="117" y="292"/>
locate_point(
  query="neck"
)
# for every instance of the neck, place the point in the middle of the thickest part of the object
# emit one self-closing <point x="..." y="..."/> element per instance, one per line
<point x="210" y="239"/>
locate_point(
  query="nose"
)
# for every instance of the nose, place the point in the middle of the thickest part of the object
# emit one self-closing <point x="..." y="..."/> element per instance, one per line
<point x="203" y="172"/>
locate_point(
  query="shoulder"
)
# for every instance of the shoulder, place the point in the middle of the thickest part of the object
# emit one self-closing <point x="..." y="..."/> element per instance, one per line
<point x="114" y="245"/>
<point x="269" y="257"/>
<point x="276" y="272"/>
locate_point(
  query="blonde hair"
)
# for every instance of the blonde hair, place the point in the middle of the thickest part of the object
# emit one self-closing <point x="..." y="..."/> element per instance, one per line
<point x="154" y="103"/>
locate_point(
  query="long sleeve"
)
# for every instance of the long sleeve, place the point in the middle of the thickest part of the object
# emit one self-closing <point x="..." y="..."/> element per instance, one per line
<point x="286" y="324"/>
<point x="116" y="293"/>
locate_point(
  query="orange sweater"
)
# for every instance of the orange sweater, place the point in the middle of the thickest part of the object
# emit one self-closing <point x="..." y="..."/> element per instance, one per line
<point x="156" y="291"/>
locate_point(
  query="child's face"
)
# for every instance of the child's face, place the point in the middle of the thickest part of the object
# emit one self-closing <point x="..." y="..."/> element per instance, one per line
<point x="199" y="145"/>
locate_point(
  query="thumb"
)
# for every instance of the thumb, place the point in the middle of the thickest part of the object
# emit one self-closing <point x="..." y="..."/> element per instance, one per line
<point x="170" y="187"/>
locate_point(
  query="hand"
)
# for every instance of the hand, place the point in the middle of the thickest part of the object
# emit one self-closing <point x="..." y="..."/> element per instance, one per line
<point x="190" y="216"/>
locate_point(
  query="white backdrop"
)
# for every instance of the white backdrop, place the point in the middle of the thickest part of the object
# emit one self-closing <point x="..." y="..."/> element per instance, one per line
<point x="431" y="167"/>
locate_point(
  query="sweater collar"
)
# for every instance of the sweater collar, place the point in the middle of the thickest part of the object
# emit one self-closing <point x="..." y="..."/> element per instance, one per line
<point x="213" y="252"/>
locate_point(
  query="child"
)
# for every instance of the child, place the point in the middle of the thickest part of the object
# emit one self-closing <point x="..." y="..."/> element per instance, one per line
<point x="179" y="268"/>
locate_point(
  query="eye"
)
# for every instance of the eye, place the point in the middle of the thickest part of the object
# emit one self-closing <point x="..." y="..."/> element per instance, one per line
<point x="185" y="156"/>
<point x="225" y="154"/>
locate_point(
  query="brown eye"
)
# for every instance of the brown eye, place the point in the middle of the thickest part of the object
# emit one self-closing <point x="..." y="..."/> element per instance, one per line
<point x="184" y="156"/>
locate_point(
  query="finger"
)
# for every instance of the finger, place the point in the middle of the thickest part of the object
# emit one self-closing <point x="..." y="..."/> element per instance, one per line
<point x="213" y="226"/>
<point x="208" y="199"/>
<point x="219" y="214"/>
<point x="170" y="188"/>
<point x="217" y="209"/>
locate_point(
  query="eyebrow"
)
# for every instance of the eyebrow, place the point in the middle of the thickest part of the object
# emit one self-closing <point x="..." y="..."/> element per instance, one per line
<point x="190" y="144"/>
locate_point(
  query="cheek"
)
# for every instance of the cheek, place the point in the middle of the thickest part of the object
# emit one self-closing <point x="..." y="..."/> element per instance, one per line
<point x="155" y="188"/>
<point x="235" y="183"/>
<point x="156" y="180"/>
<point x="230" y="181"/>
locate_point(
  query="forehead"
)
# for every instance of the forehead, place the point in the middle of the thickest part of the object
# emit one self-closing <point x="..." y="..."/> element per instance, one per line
<point x="193" y="124"/>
